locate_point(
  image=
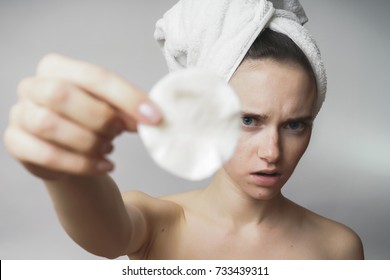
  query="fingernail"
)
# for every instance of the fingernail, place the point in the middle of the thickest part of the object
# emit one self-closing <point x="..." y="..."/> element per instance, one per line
<point x="150" y="112"/>
<point x="103" y="166"/>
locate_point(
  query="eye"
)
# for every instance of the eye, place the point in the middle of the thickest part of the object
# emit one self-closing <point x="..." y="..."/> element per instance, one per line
<point x="296" y="126"/>
<point x="248" y="121"/>
<point x="252" y="122"/>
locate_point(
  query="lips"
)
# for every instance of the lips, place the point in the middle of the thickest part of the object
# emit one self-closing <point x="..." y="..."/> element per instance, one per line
<point x="267" y="178"/>
<point x="268" y="174"/>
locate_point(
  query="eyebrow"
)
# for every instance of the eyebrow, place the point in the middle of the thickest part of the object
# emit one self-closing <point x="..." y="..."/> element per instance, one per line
<point x="255" y="116"/>
<point x="306" y="119"/>
<point x="264" y="117"/>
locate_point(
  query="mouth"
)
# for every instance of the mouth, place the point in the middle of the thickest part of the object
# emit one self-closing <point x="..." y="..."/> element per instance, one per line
<point x="266" y="173"/>
<point x="266" y="177"/>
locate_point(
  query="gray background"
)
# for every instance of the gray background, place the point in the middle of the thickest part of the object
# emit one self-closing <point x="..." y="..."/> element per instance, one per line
<point x="345" y="174"/>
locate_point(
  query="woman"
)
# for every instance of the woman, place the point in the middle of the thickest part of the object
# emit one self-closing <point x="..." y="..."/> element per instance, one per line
<point x="63" y="125"/>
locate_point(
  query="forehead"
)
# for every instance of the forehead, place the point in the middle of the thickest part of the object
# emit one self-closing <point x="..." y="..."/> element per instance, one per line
<point x="271" y="87"/>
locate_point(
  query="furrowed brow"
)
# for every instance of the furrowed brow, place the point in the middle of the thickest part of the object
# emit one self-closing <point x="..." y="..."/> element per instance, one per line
<point x="260" y="117"/>
<point x="307" y="119"/>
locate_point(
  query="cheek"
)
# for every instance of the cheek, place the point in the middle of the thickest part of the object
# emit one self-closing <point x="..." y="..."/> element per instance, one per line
<point x="235" y="160"/>
<point x="240" y="156"/>
<point x="295" y="148"/>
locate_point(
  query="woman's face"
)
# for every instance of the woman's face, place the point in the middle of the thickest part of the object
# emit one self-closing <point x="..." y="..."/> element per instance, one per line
<point x="277" y="101"/>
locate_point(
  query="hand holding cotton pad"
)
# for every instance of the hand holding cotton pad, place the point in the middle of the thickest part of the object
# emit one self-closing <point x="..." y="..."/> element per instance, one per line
<point x="200" y="127"/>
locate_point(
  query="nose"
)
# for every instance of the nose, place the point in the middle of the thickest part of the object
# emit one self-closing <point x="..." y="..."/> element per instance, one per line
<point x="269" y="148"/>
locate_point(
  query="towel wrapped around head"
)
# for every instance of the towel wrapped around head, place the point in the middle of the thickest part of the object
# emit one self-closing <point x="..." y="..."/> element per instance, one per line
<point x="217" y="34"/>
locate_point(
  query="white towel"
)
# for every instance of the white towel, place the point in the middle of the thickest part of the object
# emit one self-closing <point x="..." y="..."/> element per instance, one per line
<point x="292" y="6"/>
<point x="217" y="34"/>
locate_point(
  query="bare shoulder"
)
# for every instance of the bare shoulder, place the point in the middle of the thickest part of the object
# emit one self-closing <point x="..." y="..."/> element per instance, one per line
<point x="159" y="219"/>
<point x="157" y="210"/>
<point x="148" y="215"/>
<point x="184" y="199"/>
<point x="344" y="243"/>
<point x="153" y="207"/>
<point x="336" y="240"/>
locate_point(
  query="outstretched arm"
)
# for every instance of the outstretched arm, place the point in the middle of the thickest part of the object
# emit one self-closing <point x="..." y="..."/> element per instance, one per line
<point x="92" y="212"/>
<point x="61" y="129"/>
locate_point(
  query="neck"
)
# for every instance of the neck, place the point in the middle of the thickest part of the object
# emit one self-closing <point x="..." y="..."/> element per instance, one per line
<point x="230" y="204"/>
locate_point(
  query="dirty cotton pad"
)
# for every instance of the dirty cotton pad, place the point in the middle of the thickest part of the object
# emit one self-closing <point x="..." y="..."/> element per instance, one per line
<point x="200" y="127"/>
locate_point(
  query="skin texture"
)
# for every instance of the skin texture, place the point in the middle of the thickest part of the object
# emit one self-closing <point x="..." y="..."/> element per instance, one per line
<point x="240" y="215"/>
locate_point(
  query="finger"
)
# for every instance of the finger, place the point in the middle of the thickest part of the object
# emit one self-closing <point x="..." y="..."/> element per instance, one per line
<point x="104" y="84"/>
<point x="28" y="148"/>
<point x="50" y="126"/>
<point x="73" y="103"/>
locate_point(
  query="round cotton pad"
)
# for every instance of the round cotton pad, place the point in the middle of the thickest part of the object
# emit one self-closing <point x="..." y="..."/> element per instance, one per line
<point x="200" y="127"/>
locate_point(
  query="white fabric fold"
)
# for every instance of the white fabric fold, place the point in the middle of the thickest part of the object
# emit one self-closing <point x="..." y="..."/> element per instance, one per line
<point x="292" y="6"/>
<point x="211" y="34"/>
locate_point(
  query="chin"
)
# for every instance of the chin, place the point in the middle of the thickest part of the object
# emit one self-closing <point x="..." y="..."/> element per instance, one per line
<point x="261" y="193"/>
